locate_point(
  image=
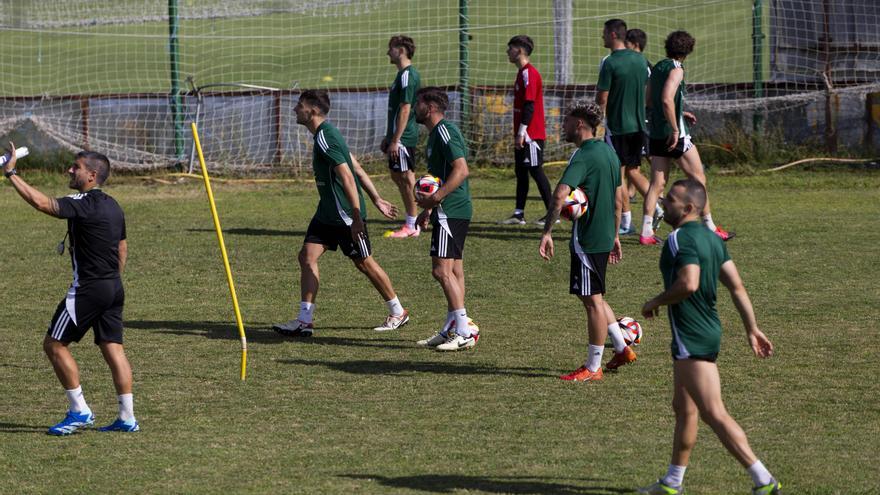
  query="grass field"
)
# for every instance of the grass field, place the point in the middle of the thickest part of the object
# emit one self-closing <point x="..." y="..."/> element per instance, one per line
<point x="277" y="49"/>
<point x="354" y="411"/>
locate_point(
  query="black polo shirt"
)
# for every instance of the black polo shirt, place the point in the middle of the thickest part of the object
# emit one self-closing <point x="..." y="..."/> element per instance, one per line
<point x="95" y="225"/>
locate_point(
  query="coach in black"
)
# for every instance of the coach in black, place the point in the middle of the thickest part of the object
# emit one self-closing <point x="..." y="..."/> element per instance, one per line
<point x="98" y="250"/>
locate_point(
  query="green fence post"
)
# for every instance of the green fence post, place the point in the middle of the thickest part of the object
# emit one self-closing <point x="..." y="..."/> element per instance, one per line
<point x="174" y="60"/>
<point x="463" y="66"/>
<point x="757" y="61"/>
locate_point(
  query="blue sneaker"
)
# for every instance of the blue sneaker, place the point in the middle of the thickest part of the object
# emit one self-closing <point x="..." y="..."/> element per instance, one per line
<point x="120" y="425"/>
<point x="72" y="422"/>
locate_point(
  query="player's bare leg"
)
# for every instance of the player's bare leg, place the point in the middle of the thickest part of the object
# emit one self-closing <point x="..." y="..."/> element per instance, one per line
<point x="686" y="422"/>
<point x="377" y="276"/>
<point x="443" y="270"/>
<point x="62" y="361"/>
<point x="659" y="175"/>
<point x="309" y="276"/>
<point x="120" y="368"/>
<point x="635" y="177"/>
<point x="406" y="182"/>
<point x="692" y="167"/>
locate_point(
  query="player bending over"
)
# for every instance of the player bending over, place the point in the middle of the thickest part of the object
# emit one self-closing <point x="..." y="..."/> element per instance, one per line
<point x="340" y="220"/>
<point x="98" y="251"/>
<point x="692" y="261"/>
<point x="669" y="138"/>
<point x="449" y="210"/>
<point x="594" y="241"/>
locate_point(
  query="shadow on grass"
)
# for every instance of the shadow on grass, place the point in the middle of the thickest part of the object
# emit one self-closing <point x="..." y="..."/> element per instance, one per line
<point x="20" y="428"/>
<point x="207" y="329"/>
<point x="256" y="232"/>
<point x="386" y="367"/>
<point x="446" y="483"/>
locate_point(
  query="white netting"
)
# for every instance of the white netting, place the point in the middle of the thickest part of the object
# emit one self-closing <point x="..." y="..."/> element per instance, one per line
<point x="98" y="73"/>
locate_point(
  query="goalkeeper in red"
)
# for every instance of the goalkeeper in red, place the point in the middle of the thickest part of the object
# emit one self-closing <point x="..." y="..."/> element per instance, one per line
<point x="692" y="261"/>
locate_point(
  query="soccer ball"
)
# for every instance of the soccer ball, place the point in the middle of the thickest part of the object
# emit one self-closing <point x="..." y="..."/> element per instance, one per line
<point x="575" y="205"/>
<point x="631" y="330"/>
<point x="427" y="185"/>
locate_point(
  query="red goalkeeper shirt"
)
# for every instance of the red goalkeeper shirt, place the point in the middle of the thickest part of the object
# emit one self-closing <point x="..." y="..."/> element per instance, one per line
<point x="528" y="87"/>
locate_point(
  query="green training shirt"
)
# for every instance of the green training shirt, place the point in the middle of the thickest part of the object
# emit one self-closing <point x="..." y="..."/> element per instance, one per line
<point x="403" y="90"/>
<point x="659" y="126"/>
<point x="624" y="74"/>
<point x="595" y="168"/>
<point x="445" y="145"/>
<point x="329" y="151"/>
<point x="696" y="329"/>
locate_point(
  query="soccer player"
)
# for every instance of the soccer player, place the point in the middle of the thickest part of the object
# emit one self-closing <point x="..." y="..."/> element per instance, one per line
<point x="528" y="128"/>
<point x="340" y="220"/>
<point x="98" y="251"/>
<point x="402" y="134"/>
<point x="594" y="168"/>
<point x="450" y="211"/>
<point x="669" y="137"/>
<point x="620" y="93"/>
<point x="691" y="263"/>
<point x="637" y="40"/>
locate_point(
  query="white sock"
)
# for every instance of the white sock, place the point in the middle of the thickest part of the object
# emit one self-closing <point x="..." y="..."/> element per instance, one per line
<point x="461" y="322"/>
<point x="126" y="407"/>
<point x="394" y="307"/>
<point x="519" y="213"/>
<point x="674" y="476"/>
<point x="306" y="312"/>
<point x="594" y="359"/>
<point x="760" y="475"/>
<point x="647" y="226"/>
<point x="77" y="400"/>
<point x="626" y="220"/>
<point x="411" y="222"/>
<point x="707" y="221"/>
<point x="616" y="337"/>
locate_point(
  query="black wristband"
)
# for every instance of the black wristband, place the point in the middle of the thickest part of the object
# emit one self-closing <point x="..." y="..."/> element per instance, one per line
<point x="10" y="173"/>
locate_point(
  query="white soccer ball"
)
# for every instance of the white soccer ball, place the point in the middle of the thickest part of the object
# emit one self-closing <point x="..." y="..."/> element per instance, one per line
<point x="631" y="330"/>
<point x="427" y="185"/>
<point x="575" y="205"/>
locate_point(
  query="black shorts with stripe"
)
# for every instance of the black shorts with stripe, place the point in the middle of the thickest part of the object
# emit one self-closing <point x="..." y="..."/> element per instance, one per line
<point x="447" y="238"/>
<point x="406" y="160"/>
<point x="530" y="155"/>
<point x="587" y="276"/>
<point x="94" y="304"/>
<point x="629" y="148"/>
<point x="339" y="236"/>
<point x="658" y="147"/>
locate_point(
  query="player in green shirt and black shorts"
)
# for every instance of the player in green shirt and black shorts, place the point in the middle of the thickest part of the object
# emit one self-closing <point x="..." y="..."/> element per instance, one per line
<point x="402" y="133"/>
<point x="692" y="261"/>
<point x="450" y="211"/>
<point x="594" y="168"/>
<point x="339" y="221"/>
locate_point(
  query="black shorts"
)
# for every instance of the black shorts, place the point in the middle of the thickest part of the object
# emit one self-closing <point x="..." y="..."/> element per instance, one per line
<point x="703" y="357"/>
<point x="629" y="148"/>
<point x="530" y="155"/>
<point x="333" y="236"/>
<point x="447" y="238"/>
<point x="406" y="161"/>
<point x="587" y="276"/>
<point x="658" y="147"/>
<point x="94" y="304"/>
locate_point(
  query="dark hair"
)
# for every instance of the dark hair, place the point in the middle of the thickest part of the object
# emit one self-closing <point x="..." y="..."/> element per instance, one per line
<point x="616" y="26"/>
<point x="96" y="162"/>
<point x="522" y="41"/>
<point x="679" y="44"/>
<point x="403" y="41"/>
<point x="637" y="37"/>
<point x="586" y="110"/>
<point x="317" y="98"/>
<point x="695" y="192"/>
<point x="435" y="95"/>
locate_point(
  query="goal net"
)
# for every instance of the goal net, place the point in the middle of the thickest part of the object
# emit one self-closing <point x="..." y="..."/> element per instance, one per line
<point x="126" y="77"/>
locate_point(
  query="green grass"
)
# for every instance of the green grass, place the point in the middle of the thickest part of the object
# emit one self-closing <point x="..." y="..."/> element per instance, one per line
<point x="351" y="410"/>
<point x="278" y="49"/>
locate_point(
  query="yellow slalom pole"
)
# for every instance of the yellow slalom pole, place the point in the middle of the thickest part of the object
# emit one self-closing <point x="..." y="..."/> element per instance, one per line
<point x="198" y="144"/>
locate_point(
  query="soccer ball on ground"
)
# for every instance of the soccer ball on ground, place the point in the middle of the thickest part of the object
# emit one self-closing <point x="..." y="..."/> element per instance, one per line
<point x="575" y="205"/>
<point x="427" y="185"/>
<point x="631" y="330"/>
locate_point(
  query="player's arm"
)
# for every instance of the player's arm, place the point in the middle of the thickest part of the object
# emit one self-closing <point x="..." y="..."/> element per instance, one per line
<point x="528" y="111"/>
<point x="350" y="189"/>
<point x="545" y="249"/>
<point x="667" y="99"/>
<point x="455" y="179"/>
<point x="403" y="111"/>
<point x="30" y="194"/>
<point x="602" y="100"/>
<point x="617" y="251"/>
<point x="123" y="255"/>
<point x="687" y="282"/>
<point x="386" y="208"/>
<point x="729" y="276"/>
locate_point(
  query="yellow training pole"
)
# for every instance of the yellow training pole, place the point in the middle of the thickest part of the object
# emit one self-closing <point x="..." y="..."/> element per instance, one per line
<point x="198" y="144"/>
